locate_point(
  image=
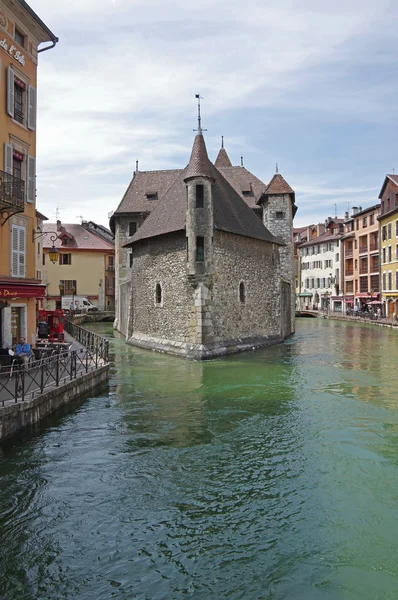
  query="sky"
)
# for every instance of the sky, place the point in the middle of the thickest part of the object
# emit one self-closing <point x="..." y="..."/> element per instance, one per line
<point x="310" y="85"/>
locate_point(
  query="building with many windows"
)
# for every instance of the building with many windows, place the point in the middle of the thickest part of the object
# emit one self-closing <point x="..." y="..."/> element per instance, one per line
<point x="361" y="258"/>
<point x="320" y="268"/>
<point x="21" y="34"/>
<point x="85" y="264"/>
<point x="388" y="220"/>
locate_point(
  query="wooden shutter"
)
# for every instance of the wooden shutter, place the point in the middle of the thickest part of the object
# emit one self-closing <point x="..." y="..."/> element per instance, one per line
<point x="8" y="158"/>
<point x="31" y="107"/>
<point x="18" y="251"/>
<point x="10" y="92"/>
<point x="30" y="178"/>
<point x="22" y="251"/>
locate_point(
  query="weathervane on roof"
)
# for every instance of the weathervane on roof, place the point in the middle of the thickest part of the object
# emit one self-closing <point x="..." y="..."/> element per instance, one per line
<point x="199" y="129"/>
<point x="222" y="141"/>
<point x="277" y="170"/>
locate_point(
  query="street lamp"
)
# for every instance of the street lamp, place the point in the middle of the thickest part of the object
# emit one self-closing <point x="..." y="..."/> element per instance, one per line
<point x="53" y="255"/>
<point x="61" y="288"/>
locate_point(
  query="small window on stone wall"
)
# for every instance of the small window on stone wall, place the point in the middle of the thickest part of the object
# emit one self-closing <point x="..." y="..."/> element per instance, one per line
<point x="158" y="294"/>
<point x="242" y="292"/>
<point x="131" y="259"/>
<point x="279" y="214"/>
<point x="200" y="249"/>
<point x="132" y="228"/>
<point x="199" y="196"/>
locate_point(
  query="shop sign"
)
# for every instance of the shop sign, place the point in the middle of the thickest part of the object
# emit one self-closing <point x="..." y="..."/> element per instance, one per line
<point x="12" y="51"/>
<point x="22" y="291"/>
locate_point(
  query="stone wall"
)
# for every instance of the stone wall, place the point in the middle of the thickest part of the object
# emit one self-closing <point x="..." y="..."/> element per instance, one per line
<point x="163" y="261"/>
<point x="255" y="263"/>
<point x="17" y="416"/>
<point x="283" y="229"/>
<point x="122" y="259"/>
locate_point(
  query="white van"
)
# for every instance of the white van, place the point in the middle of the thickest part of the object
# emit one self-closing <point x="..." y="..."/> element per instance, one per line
<point x="79" y="303"/>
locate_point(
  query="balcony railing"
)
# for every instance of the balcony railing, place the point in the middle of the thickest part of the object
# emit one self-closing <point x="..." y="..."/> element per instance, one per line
<point x="373" y="246"/>
<point x="110" y="268"/>
<point x="363" y="249"/>
<point x="349" y="272"/>
<point x="12" y="192"/>
<point x="363" y="270"/>
<point x="349" y="253"/>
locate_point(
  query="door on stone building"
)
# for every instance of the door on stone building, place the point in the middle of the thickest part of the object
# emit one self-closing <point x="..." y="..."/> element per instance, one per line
<point x="286" y="309"/>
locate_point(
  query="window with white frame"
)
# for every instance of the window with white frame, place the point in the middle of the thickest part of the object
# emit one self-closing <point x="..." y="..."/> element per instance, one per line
<point x="21" y="100"/>
<point x="18" y="251"/>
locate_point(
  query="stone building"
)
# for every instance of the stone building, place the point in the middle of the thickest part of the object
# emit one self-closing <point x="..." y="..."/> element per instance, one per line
<point x="204" y="258"/>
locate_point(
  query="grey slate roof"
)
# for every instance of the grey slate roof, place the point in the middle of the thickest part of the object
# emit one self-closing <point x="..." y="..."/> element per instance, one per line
<point x="230" y="212"/>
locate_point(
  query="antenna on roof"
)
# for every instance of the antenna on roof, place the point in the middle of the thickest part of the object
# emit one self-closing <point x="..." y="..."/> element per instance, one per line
<point x="136" y="166"/>
<point x="335" y="211"/>
<point x="222" y="141"/>
<point x="199" y="129"/>
<point x="393" y="171"/>
<point x="57" y="213"/>
<point x="277" y="170"/>
<point x="241" y="161"/>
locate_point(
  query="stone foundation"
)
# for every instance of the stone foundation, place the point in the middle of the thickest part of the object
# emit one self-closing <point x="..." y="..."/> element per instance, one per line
<point x="201" y="351"/>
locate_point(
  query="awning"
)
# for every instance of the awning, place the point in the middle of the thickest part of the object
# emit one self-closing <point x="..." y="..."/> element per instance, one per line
<point x="304" y="294"/>
<point x="22" y="290"/>
<point x="366" y="295"/>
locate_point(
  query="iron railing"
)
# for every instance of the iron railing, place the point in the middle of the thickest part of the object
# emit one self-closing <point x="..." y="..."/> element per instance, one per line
<point x="92" y="341"/>
<point x="12" y="190"/>
<point x="19" y="383"/>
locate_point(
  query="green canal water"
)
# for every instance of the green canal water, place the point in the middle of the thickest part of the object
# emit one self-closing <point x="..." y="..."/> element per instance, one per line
<point x="270" y="474"/>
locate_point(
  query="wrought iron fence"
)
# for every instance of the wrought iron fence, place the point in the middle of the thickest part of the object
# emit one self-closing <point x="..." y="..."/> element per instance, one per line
<point x="12" y="190"/>
<point x="92" y="341"/>
<point x="19" y="382"/>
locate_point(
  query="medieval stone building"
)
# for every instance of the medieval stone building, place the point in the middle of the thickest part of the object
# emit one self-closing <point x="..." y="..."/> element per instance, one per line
<point x="204" y="258"/>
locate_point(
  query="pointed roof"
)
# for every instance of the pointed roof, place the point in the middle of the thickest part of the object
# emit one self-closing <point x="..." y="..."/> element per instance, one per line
<point x="389" y="177"/>
<point x="222" y="159"/>
<point x="278" y="186"/>
<point x="199" y="164"/>
<point x="230" y="212"/>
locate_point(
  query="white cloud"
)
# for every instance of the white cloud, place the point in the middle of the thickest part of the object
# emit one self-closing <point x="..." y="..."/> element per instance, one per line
<point x="120" y="83"/>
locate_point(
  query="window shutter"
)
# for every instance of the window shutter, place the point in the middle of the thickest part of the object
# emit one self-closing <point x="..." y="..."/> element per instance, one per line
<point x="14" y="251"/>
<point x="22" y="253"/>
<point x="8" y="158"/>
<point x="30" y="179"/>
<point x="10" y="92"/>
<point x="31" y="107"/>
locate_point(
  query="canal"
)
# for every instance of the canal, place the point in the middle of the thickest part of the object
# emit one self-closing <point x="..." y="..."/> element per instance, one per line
<point x="269" y="474"/>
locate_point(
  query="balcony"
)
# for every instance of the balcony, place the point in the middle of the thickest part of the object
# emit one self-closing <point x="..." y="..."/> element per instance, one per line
<point x="12" y="194"/>
<point x="374" y="247"/>
<point x="348" y="253"/>
<point x="363" y="249"/>
<point x="349" y="272"/>
<point x="110" y="268"/>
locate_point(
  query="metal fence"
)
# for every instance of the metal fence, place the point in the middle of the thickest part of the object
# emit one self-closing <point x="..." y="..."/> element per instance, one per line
<point x="19" y="382"/>
<point x="90" y="340"/>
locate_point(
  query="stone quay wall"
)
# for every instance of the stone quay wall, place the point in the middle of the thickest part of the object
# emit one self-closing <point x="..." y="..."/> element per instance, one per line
<point x="15" y="417"/>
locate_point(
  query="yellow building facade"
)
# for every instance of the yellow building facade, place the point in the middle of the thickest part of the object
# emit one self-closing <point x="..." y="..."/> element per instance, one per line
<point x="21" y="33"/>
<point x="389" y="244"/>
<point x="84" y="266"/>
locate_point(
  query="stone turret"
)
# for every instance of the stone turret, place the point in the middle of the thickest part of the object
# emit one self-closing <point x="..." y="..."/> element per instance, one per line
<point x="278" y="204"/>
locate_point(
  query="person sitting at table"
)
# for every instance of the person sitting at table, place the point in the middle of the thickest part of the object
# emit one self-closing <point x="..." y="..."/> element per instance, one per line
<point x="23" y="351"/>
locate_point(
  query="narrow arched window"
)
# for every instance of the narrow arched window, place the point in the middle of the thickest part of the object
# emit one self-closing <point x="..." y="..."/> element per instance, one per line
<point x="242" y="292"/>
<point x="158" y="293"/>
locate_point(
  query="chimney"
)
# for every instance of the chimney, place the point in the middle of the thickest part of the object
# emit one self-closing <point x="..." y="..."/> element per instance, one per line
<point x="58" y="225"/>
<point x="346" y="215"/>
<point x="354" y="210"/>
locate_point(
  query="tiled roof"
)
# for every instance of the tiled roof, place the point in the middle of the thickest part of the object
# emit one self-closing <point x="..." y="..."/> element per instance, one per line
<point x="278" y="185"/>
<point x="222" y="159"/>
<point x="243" y="181"/>
<point x="80" y="238"/>
<point x="146" y="182"/>
<point x="230" y="212"/>
<point x="199" y="164"/>
<point x="324" y="237"/>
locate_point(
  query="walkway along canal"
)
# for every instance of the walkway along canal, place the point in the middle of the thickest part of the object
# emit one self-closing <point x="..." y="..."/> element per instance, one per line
<point x="28" y="394"/>
<point x="268" y="474"/>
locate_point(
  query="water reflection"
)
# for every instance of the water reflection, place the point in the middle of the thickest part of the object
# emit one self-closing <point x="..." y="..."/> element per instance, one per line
<point x="269" y="474"/>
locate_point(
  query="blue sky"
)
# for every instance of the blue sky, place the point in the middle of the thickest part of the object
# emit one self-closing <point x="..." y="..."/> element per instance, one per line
<point x="309" y="84"/>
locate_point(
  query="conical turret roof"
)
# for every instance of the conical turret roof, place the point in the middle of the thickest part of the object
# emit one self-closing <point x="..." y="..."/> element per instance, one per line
<point x="199" y="164"/>
<point x="278" y="185"/>
<point x="222" y="159"/>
